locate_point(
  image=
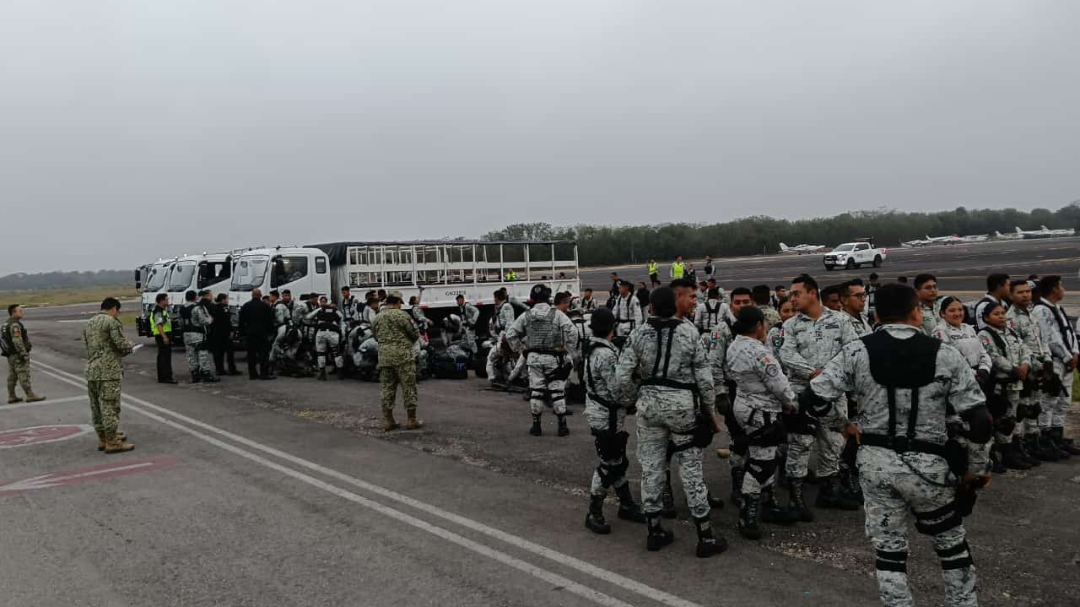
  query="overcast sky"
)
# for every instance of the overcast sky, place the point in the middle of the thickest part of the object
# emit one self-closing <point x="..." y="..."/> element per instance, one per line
<point x="136" y="129"/>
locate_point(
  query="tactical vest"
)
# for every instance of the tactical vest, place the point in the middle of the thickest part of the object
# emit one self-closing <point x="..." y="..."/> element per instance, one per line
<point x="902" y="364"/>
<point x="541" y="334"/>
<point x="288" y="312"/>
<point x="328" y="320"/>
<point x="1063" y="327"/>
<point x="626" y="316"/>
<point x="7" y="342"/>
<point x="713" y="315"/>
<point x="185" y="315"/>
<point x="166" y="325"/>
<point x="590" y="383"/>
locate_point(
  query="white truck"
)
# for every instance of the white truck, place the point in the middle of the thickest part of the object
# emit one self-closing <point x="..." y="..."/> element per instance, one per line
<point x="436" y="272"/>
<point x="151" y="279"/>
<point x="175" y="277"/>
<point x="851" y="255"/>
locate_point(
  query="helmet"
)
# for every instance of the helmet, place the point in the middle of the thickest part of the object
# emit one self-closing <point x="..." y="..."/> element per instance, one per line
<point x="540" y="293"/>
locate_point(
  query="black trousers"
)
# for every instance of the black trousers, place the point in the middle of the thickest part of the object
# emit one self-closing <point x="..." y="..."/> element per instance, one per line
<point x="258" y="356"/>
<point x="164" y="359"/>
<point x="222" y="352"/>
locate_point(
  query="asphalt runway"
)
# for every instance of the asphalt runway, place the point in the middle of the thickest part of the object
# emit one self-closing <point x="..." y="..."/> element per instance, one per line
<point x="960" y="269"/>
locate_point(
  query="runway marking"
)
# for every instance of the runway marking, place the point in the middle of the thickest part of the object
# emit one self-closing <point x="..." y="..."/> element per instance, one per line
<point x="554" y="579"/>
<point x="81" y="475"/>
<point x="77" y="320"/>
<point x="38" y="435"/>
<point x="48" y="401"/>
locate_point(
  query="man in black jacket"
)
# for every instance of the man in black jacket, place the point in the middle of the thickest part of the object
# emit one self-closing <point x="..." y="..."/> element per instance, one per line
<point x="257" y="327"/>
<point x="221" y="336"/>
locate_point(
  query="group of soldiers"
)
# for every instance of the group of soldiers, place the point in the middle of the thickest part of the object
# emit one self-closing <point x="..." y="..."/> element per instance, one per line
<point x="887" y="397"/>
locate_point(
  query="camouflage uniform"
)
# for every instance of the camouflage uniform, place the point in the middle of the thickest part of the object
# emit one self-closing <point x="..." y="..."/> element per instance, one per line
<point x="762" y="393"/>
<point x="470" y="315"/>
<point x="808" y="345"/>
<point x="328" y="337"/>
<point x="964" y="339"/>
<point x="709" y="314"/>
<point x="859" y="324"/>
<point x="775" y="339"/>
<point x="1028" y="329"/>
<point x="1062" y="346"/>
<point x="396" y="333"/>
<point x="930" y="316"/>
<point x="105" y="346"/>
<point x="628" y="315"/>
<point x="667" y="415"/>
<point x="350" y="310"/>
<point x="542" y="366"/>
<point x="1006" y="364"/>
<point x="605" y="416"/>
<point x="897" y="486"/>
<point x="19" y="360"/>
<point x="198" y="356"/>
<point x="772" y="317"/>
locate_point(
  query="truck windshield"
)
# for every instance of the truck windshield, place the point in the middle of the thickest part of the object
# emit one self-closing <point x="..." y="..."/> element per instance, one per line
<point x="250" y="273"/>
<point x="843" y="248"/>
<point x="180" y="278"/>
<point x="156" y="280"/>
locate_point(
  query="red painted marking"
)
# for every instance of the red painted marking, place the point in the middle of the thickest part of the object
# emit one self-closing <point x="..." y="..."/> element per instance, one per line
<point x="40" y="434"/>
<point x="70" y="477"/>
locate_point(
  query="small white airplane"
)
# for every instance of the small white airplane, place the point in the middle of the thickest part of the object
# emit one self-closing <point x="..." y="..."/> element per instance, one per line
<point x="1000" y="236"/>
<point x="975" y="238"/>
<point x="1045" y="232"/>
<point x="932" y="240"/>
<point x="802" y="248"/>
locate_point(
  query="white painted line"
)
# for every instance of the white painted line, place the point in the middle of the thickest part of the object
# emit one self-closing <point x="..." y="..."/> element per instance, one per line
<point x="78" y="320"/>
<point x="47" y="401"/>
<point x="502" y="557"/>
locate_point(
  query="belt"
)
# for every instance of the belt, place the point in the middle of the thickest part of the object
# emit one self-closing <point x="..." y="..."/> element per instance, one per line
<point x="669" y="383"/>
<point x="901" y="444"/>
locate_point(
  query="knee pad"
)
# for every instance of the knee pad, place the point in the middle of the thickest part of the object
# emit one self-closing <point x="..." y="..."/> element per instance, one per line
<point x="1005" y="425"/>
<point x="1033" y="410"/>
<point x="892" y="560"/>
<point x="761" y="469"/>
<point x="955" y="557"/>
<point x="1022" y="411"/>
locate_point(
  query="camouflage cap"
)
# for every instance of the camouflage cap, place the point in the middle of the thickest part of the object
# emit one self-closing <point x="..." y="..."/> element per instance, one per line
<point x="395" y="295"/>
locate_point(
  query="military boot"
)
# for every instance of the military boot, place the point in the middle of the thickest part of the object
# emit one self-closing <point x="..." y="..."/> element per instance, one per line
<point x="1020" y="445"/>
<point x="412" y="423"/>
<point x="798" y="502"/>
<point x="773" y="512"/>
<point x="708" y="543"/>
<point x="829" y="495"/>
<point x="1010" y="457"/>
<point x="629" y="510"/>
<point x="849" y="485"/>
<point x="1052" y="443"/>
<point x="322" y="374"/>
<point x="536" y="429"/>
<point x="389" y="423"/>
<point x="748" y="517"/>
<point x="33" y="398"/>
<point x="13" y="398"/>
<point x="101" y="440"/>
<point x="113" y="444"/>
<point x="1047" y="452"/>
<point x="1063" y="444"/>
<point x="667" y="498"/>
<point x="658" y="537"/>
<point x="714" y="502"/>
<point x="1036" y="449"/>
<point x="563" y="429"/>
<point x="594" y="520"/>
<point x="737" y="476"/>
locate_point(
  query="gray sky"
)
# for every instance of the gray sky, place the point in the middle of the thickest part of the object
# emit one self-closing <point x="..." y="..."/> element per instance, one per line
<point x="272" y="121"/>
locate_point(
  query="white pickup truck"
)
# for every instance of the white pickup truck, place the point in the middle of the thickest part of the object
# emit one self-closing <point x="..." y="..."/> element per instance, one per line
<point x="852" y="255"/>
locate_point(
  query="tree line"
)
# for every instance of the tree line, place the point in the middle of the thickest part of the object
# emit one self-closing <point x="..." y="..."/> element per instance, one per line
<point x="67" y="280"/>
<point x="604" y="245"/>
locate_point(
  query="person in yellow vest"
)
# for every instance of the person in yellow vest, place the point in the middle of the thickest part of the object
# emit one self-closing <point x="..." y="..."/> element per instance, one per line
<point x="678" y="269"/>
<point x="511" y="275"/>
<point x="654" y="273"/>
<point x="161" y="329"/>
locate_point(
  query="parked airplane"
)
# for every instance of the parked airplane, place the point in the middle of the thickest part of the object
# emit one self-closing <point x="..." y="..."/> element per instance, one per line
<point x="1045" y="232"/>
<point x="932" y="240"/>
<point x="975" y="238"/>
<point x="802" y="248"/>
<point x="1000" y="236"/>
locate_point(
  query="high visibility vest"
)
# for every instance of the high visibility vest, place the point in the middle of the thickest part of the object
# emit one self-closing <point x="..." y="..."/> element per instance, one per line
<point x="511" y="275"/>
<point x="166" y="326"/>
<point x="677" y="270"/>
<point x="653" y="269"/>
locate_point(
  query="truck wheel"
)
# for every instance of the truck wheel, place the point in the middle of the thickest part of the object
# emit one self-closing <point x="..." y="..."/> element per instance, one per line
<point x="877" y="261"/>
<point x="828" y="268"/>
<point x="850" y="264"/>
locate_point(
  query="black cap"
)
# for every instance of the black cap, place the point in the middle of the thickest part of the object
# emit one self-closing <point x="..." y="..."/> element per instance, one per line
<point x="602" y="322"/>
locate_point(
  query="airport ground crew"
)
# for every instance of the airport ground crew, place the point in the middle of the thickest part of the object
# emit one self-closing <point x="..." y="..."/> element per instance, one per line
<point x="811" y="338"/>
<point x="105" y="346"/>
<point x="395" y="333"/>
<point x="1057" y="333"/>
<point x="606" y="418"/>
<point x="904" y="383"/>
<point x="161" y="329"/>
<point x="672" y="407"/>
<point x="1011" y="363"/>
<point x="544" y="336"/>
<point x="16" y="348"/>
<point x="678" y="268"/>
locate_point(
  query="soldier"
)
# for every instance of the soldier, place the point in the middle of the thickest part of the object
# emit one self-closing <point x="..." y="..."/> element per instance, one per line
<point x="927" y="290"/>
<point x="500" y="362"/>
<point x="1011" y="363"/>
<point x="197" y="318"/>
<point x="904" y="382"/>
<point x="952" y="330"/>
<point x="1027" y="414"/>
<point x="587" y="303"/>
<point x="606" y="419"/>
<point x="672" y="401"/>
<point x="711" y="312"/>
<point x="304" y="320"/>
<point x="779" y="292"/>
<point x="775" y="339"/>
<point x="283" y="310"/>
<point x="760" y="295"/>
<point x="16" y="348"/>
<point x="763" y="393"/>
<point x="470" y="315"/>
<point x="105" y="346"/>
<point x="396" y="334"/>
<point x="543" y="336"/>
<point x="370" y="311"/>
<point x="997" y="291"/>
<point x="710" y="267"/>
<point x="853" y="303"/>
<point x="327" y="323"/>
<point x="830" y="297"/>
<point x="810" y="339"/>
<point x="1058" y="334"/>
<point x="627" y="313"/>
<point x="503" y="317"/>
<point x="716" y="344"/>
<point x="871" y="293"/>
<point x="348" y="307"/>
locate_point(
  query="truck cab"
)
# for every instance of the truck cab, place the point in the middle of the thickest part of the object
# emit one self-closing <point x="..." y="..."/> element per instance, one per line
<point x="298" y="269"/>
<point x="153" y="279"/>
<point x="211" y="271"/>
